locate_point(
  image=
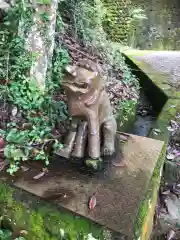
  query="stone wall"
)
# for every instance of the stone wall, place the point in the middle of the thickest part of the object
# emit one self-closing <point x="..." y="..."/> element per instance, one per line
<point x="117" y="20"/>
<point x="161" y="29"/>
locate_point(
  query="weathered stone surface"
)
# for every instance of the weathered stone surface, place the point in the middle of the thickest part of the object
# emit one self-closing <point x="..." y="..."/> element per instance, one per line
<point x="162" y="67"/>
<point x="160" y="30"/>
<point x="167" y="62"/>
<point x="119" y="191"/>
<point x="40" y="40"/>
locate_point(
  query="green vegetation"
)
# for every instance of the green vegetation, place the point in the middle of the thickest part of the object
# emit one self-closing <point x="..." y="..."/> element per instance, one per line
<point x="126" y="115"/>
<point x="35" y="112"/>
<point x="86" y="22"/>
<point x="151" y="195"/>
<point x="29" y="136"/>
<point x="43" y="220"/>
<point x="6" y="234"/>
<point x="121" y="20"/>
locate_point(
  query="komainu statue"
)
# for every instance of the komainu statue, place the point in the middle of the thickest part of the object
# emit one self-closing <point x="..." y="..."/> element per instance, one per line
<point x="93" y="127"/>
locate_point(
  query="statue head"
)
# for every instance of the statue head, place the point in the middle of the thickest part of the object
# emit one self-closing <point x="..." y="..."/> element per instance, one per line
<point x="81" y="79"/>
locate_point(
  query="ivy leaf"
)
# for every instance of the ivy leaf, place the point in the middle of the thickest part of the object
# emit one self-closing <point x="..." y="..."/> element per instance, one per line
<point x="7" y="151"/>
<point x="44" y="2"/>
<point x="17" y="154"/>
<point x="16" y="136"/>
<point x="12" y="169"/>
<point x="5" y="234"/>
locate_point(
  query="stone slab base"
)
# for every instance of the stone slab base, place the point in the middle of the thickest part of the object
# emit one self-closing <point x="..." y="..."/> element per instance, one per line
<point x="119" y="192"/>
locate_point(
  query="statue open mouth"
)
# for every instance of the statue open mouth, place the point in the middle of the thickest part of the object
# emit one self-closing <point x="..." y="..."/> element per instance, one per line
<point x="76" y="87"/>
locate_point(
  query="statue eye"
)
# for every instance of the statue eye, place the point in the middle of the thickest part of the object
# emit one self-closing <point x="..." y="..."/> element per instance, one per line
<point x="83" y="85"/>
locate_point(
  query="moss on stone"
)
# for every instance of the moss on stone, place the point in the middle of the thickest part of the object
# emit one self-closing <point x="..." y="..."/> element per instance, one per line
<point x="166" y="101"/>
<point x="168" y="113"/>
<point x="117" y="12"/>
<point x="42" y="220"/>
<point x="149" y="200"/>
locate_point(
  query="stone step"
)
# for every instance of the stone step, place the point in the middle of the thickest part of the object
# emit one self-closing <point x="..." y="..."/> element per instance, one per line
<point x="126" y="197"/>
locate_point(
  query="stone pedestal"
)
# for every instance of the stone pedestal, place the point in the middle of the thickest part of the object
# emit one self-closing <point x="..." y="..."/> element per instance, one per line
<point x="125" y="197"/>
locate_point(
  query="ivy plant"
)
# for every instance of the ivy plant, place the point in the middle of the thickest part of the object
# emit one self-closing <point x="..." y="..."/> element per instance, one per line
<point x="29" y="136"/>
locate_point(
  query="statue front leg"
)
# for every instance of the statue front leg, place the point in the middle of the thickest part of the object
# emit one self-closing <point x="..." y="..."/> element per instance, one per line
<point x="81" y="140"/>
<point x="93" y="136"/>
<point x="109" y="134"/>
<point x="69" y="141"/>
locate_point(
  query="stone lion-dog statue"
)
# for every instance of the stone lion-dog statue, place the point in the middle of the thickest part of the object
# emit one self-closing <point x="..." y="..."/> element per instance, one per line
<point x="93" y="126"/>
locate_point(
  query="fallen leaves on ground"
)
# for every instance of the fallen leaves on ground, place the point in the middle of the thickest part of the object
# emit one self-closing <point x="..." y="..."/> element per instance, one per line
<point x="41" y="174"/>
<point x="92" y="202"/>
<point x="168" y="208"/>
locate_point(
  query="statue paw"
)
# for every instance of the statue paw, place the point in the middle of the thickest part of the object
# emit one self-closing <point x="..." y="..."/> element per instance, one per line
<point x="107" y="151"/>
<point x="64" y="152"/>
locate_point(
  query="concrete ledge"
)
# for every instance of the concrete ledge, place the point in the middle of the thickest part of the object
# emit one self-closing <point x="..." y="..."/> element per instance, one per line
<point x="166" y="101"/>
<point x="164" y="98"/>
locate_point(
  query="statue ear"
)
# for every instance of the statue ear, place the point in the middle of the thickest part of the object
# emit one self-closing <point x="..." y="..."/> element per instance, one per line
<point x="71" y="70"/>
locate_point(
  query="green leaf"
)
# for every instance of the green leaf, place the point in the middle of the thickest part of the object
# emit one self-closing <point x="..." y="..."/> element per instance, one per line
<point x="44" y="2"/>
<point x="5" y="234"/>
<point x="17" y="154"/>
<point x="17" y="136"/>
<point x="7" y="151"/>
<point x="20" y="238"/>
<point x="12" y="169"/>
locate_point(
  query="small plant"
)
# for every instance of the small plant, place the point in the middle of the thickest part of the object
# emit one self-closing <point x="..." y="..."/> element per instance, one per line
<point x="126" y="108"/>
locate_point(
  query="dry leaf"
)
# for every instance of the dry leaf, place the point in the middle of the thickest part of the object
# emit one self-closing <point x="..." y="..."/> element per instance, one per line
<point x="170" y="129"/>
<point x="14" y="111"/>
<point x="2" y="166"/>
<point x="24" y="168"/>
<point x="2" y="143"/>
<point x="170" y="156"/>
<point x="171" y="234"/>
<point x="166" y="192"/>
<point x="24" y="232"/>
<point x="121" y="163"/>
<point x="157" y="130"/>
<point x="92" y="202"/>
<point x="38" y="176"/>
